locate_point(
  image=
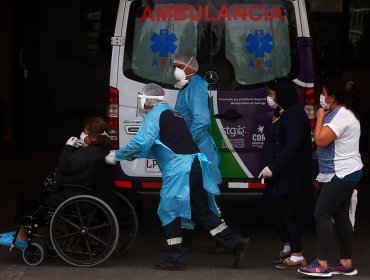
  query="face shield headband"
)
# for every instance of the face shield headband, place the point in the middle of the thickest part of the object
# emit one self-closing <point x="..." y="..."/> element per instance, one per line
<point x="141" y="100"/>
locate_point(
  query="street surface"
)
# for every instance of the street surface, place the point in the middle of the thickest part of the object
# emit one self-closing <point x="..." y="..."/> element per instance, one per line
<point x="137" y="262"/>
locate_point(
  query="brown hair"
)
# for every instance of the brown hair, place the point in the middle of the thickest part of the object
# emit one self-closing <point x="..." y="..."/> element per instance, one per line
<point x="346" y="93"/>
<point x="97" y="127"/>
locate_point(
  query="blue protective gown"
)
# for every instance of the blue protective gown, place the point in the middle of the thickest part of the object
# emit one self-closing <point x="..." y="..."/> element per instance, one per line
<point x="175" y="168"/>
<point x="192" y="104"/>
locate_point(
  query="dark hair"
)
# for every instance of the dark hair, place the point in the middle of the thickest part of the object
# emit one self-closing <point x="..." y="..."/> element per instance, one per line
<point x="97" y="127"/>
<point x="346" y="93"/>
<point x="286" y="94"/>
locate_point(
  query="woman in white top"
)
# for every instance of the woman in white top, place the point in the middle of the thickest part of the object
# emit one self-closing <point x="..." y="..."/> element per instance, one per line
<point x="337" y="135"/>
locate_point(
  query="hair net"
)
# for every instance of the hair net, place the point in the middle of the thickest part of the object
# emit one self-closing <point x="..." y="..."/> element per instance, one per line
<point x="153" y="90"/>
<point x="186" y="59"/>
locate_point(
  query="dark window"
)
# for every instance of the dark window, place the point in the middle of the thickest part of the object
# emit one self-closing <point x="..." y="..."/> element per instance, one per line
<point x="359" y="35"/>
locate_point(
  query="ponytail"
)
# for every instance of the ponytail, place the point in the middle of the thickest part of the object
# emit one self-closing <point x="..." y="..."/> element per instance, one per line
<point x="346" y="93"/>
<point x="354" y="98"/>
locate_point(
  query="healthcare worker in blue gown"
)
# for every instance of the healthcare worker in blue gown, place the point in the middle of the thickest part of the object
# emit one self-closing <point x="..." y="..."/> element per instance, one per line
<point x="187" y="189"/>
<point x="192" y="104"/>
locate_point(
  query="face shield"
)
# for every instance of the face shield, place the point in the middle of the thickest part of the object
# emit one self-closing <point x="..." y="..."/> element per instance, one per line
<point x="143" y="99"/>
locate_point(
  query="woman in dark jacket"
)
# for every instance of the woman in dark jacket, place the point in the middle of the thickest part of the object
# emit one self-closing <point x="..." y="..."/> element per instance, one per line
<point x="79" y="164"/>
<point x="287" y="157"/>
<point x="80" y="158"/>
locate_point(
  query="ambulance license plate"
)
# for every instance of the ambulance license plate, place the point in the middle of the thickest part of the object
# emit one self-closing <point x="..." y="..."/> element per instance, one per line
<point x="152" y="166"/>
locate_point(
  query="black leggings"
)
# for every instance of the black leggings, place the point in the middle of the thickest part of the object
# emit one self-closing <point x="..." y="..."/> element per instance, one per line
<point x="283" y="210"/>
<point x="333" y="203"/>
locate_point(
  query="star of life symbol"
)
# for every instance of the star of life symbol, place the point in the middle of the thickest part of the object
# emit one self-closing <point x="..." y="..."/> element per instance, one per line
<point x="260" y="129"/>
<point x="163" y="43"/>
<point x="259" y="43"/>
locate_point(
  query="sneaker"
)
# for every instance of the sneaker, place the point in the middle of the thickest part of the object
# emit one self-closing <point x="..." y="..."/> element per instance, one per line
<point x="289" y="264"/>
<point x="167" y="265"/>
<point x="315" y="269"/>
<point x="240" y="251"/>
<point x="338" y="268"/>
<point x="282" y="257"/>
<point x="6" y="239"/>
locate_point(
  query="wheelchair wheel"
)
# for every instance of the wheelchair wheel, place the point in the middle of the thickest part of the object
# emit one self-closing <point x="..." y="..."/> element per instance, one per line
<point x="127" y="220"/>
<point x="33" y="254"/>
<point x="84" y="231"/>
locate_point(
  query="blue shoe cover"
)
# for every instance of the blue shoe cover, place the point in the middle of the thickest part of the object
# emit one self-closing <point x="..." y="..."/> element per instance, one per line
<point x="7" y="234"/>
<point x="7" y="239"/>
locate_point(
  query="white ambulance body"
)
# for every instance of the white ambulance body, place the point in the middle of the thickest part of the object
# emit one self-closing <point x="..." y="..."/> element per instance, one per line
<point x="240" y="47"/>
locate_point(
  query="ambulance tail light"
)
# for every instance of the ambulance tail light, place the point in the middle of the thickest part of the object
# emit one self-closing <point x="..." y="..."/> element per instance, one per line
<point x="113" y="117"/>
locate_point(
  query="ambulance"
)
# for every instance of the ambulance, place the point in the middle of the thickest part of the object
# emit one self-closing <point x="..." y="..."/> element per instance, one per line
<point x="240" y="47"/>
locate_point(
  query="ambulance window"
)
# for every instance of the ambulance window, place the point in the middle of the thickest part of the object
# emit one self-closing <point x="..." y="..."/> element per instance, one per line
<point x="151" y="44"/>
<point x="260" y="50"/>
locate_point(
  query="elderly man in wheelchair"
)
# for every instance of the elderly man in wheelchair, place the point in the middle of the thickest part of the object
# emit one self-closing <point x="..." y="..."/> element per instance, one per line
<point x="85" y="220"/>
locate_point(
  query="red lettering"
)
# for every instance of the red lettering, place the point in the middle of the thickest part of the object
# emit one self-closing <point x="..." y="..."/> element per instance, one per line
<point x="251" y="9"/>
<point x="242" y="13"/>
<point x="147" y="13"/>
<point x="207" y="14"/>
<point x="183" y="12"/>
<point x="266" y="13"/>
<point x="259" y="62"/>
<point x="191" y="13"/>
<point x="224" y="13"/>
<point x="276" y="13"/>
<point x="179" y="12"/>
<point x="163" y="15"/>
<point x="163" y="62"/>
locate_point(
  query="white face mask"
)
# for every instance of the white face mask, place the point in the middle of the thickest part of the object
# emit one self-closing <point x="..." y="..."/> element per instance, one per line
<point x="323" y="103"/>
<point x="271" y="102"/>
<point x="181" y="84"/>
<point x="82" y="138"/>
<point x="180" y="76"/>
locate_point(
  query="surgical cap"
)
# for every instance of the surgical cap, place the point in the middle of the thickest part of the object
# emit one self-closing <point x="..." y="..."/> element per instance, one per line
<point x="182" y="58"/>
<point x="153" y="90"/>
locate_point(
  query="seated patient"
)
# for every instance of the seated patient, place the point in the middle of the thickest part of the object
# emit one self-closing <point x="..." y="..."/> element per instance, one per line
<point x="76" y="165"/>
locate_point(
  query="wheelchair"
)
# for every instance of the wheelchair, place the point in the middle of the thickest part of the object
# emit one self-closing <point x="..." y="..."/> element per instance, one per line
<point x="82" y="229"/>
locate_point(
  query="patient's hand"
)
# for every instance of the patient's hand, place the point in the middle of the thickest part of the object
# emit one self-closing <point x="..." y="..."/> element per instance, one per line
<point x="110" y="158"/>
